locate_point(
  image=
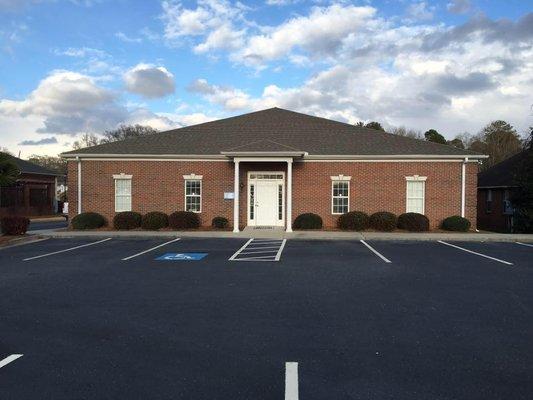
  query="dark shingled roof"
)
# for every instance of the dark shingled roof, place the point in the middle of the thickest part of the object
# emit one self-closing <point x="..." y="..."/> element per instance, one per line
<point x="501" y="174"/>
<point x="274" y="129"/>
<point x="27" y="167"/>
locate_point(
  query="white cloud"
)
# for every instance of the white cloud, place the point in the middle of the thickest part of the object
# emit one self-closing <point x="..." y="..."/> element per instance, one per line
<point x="229" y="98"/>
<point x="128" y="39"/>
<point x="149" y="81"/>
<point x="69" y="103"/>
<point x="420" y="11"/>
<point x="459" y="6"/>
<point x="81" y="52"/>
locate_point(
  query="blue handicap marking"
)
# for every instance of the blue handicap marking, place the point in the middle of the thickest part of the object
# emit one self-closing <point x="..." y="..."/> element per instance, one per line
<point x="181" y="256"/>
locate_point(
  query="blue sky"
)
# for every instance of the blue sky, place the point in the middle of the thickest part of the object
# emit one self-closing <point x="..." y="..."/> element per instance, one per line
<point x="73" y="66"/>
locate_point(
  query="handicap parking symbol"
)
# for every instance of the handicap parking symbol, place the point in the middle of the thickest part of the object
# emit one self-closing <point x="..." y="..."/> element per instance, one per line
<point x="181" y="256"/>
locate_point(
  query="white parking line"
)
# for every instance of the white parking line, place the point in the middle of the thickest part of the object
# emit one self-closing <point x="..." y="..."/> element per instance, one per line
<point x="376" y="252"/>
<point x="70" y="249"/>
<point x="524" y="244"/>
<point x="278" y="256"/>
<point x="239" y="251"/>
<point x="9" y="359"/>
<point x="149" y="250"/>
<point x="291" y="381"/>
<point x="473" y="252"/>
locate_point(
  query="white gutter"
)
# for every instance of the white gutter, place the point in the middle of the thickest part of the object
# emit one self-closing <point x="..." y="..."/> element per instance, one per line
<point x="463" y="186"/>
<point x="306" y="156"/>
<point x="79" y="184"/>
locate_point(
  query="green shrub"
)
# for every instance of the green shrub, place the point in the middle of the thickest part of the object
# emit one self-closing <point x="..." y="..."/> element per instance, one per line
<point x="184" y="220"/>
<point x="154" y="221"/>
<point x="383" y="221"/>
<point x="307" y="221"/>
<point x="456" y="223"/>
<point x="220" y="223"/>
<point x="88" y="220"/>
<point x="127" y="220"/>
<point x="14" y="225"/>
<point x="413" y="222"/>
<point x="353" y="221"/>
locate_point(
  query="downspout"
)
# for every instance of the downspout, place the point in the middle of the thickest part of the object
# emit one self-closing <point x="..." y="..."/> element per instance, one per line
<point x="463" y="187"/>
<point x="79" y="184"/>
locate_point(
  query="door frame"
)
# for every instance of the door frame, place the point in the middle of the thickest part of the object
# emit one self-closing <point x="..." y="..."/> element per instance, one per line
<point x="252" y="222"/>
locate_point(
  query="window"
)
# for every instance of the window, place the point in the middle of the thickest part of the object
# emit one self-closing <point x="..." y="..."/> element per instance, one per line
<point x="252" y="199"/>
<point x="488" y="201"/>
<point x="122" y="192"/>
<point x="416" y="188"/>
<point x="280" y="202"/>
<point x="340" y="194"/>
<point x="193" y="193"/>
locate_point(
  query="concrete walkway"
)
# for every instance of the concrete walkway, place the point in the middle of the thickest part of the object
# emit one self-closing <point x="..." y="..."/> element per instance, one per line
<point x="303" y="235"/>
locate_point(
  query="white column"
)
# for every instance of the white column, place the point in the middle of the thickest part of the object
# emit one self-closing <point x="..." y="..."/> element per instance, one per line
<point x="79" y="185"/>
<point x="289" y="196"/>
<point x="236" y="199"/>
<point x="463" y="187"/>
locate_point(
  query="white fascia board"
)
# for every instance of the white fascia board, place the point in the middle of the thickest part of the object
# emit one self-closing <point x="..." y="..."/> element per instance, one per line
<point x="171" y="157"/>
<point x="395" y="157"/>
<point x="264" y="153"/>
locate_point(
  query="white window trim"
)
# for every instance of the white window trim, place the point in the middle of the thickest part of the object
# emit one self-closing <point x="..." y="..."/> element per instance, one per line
<point x="192" y="177"/>
<point x="416" y="178"/>
<point x="118" y="177"/>
<point x="337" y="179"/>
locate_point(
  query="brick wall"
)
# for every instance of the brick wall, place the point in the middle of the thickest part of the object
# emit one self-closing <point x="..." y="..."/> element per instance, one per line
<point x="375" y="186"/>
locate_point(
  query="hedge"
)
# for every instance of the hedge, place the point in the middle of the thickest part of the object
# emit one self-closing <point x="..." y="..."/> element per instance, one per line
<point x="127" y="220"/>
<point x="88" y="220"/>
<point x="184" y="220"/>
<point x="307" y="221"/>
<point x="353" y="221"/>
<point x="14" y="225"/>
<point x="413" y="222"/>
<point x="383" y="221"/>
<point x="456" y="223"/>
<point x="220" y="223"/>
<point x="154" y="221"/>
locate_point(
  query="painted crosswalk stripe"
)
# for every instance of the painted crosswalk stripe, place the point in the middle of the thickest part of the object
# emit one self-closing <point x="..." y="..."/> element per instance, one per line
<point x="476" y="253"/>
<point x="151" y="249"/>
<point x="377" y="253"/>
<point x="65" y="250"/>
<point x="9" y="359"/>
<point x="256" y="250"/>
<point x="291" y="381"/>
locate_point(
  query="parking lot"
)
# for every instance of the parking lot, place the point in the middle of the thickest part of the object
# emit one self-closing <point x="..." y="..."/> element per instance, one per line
<point x="184" y="318"/>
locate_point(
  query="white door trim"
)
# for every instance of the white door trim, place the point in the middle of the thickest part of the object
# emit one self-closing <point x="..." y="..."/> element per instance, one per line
<point x="252" y="222"/>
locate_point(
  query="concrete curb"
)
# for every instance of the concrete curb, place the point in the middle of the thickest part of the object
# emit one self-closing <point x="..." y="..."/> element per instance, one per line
<point x="26" y="240"/>
<point x="50" y="219"/>
<point x="302" y="235"/>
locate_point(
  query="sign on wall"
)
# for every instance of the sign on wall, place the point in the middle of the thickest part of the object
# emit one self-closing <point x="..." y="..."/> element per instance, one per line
<point x="229" y="195"/>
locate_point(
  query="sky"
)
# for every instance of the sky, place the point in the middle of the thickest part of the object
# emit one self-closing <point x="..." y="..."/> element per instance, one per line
<point x="69" y="67"/>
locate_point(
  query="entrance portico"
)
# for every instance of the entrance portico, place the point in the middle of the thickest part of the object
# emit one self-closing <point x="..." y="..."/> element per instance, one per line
<point x="268" y="192"/>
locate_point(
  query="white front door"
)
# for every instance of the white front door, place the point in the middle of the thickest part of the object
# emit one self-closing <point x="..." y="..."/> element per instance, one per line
<point x="266" y="199"/>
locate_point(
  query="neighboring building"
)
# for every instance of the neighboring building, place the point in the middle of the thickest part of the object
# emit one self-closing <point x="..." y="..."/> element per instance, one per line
<point x="33" y="194"/>
<point x="495" y="186"/>
<point x="267" y="167"/>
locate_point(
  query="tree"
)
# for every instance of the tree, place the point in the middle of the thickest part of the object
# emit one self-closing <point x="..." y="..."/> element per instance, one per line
<point x="127" y="132"/>
<point x="56" y="164"/>
<point x="9" y="171"/>
<point x="86" y="140"/>
<point x="500" y="140"/>
<point x="522" y="196"/>
<point x="457" y="142"/>
<point x="374" y="125"/>
<point x="403" y="131"/>
<point x="433" y="136"/>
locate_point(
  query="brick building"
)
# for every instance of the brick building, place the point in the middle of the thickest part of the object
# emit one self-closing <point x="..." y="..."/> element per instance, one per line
<point x="267" y="167"/>
<point x="34" y="192"/>
<point x="495" y="188"/>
